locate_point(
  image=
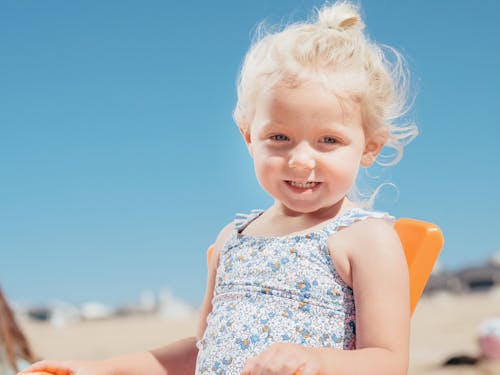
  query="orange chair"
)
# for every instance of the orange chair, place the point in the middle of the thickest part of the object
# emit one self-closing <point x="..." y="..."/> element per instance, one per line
<point x="422" y="243"/>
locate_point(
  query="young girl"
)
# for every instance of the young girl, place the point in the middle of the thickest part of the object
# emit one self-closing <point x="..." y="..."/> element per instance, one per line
<point x="315" y="283"/>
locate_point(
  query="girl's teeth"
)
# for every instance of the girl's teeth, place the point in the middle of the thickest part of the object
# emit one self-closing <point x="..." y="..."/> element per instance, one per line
<point x="303" y="184"/>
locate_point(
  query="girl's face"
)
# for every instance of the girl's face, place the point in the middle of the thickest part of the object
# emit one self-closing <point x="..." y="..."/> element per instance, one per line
<point x="307" y="146"/>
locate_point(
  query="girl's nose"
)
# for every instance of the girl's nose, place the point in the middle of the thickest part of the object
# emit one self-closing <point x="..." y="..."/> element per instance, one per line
<point x="301" y="157"/>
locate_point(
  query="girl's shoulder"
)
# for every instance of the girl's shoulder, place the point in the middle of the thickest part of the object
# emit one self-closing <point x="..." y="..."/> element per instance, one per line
<point x="360" y="214"/>
<point x="223" y="236"/>
<point x="367" y="234"/>
<point x="357" y="231"/>
<point x="242" y="220"/>
<point x="361" y="224"/>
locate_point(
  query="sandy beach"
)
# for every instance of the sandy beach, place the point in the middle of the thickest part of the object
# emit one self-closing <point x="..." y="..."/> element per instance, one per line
<point x="443" y="325"/>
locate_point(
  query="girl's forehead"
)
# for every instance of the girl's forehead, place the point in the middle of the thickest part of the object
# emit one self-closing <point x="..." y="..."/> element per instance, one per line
<point x="305" y="106"/>
<point x="308" y="98"/>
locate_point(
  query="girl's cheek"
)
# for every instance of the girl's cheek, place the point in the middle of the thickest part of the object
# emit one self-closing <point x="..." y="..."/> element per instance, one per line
<point x="269" y="162"/>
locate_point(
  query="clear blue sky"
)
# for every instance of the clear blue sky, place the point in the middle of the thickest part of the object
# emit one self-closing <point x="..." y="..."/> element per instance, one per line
<point x="120" y="162"/>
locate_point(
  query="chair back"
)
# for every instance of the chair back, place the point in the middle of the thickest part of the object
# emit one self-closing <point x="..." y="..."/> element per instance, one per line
<point x="422" y="243"/>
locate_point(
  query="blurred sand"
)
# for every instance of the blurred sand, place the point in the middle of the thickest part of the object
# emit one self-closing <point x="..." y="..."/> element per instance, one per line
<point x="442" y="326"/>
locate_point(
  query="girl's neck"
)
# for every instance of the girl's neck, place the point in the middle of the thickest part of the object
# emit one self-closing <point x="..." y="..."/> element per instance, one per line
<point x="281" y="211"/>
<point x="279" y="220"/>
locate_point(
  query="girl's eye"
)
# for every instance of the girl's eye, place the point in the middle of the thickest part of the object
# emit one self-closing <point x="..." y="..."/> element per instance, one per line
<point x="329" y="140"/>
<point x="279" y="138"/>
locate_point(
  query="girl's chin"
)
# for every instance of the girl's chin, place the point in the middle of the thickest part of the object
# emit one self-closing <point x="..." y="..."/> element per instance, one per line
<point x="307" y="208"/>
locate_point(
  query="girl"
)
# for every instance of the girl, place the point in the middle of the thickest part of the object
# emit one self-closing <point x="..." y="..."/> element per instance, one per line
<point x="315" y="283"/>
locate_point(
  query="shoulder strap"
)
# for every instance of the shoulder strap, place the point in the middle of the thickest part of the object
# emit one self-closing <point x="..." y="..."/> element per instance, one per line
<point x="356" y="214"/>
<point x="241" y="221"/>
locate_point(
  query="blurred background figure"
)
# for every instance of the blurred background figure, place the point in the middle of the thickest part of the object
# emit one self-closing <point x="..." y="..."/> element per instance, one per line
<point x="489" y="338"/>
<point x="15" y="352"/>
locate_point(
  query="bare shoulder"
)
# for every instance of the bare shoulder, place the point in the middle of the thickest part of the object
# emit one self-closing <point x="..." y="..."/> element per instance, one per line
<point x="369" y="238"/>
<point x="363" y="242"/>
<point x="376" y="250"/>
<point x="378" y="235"/>
<point x="219" y="243"/>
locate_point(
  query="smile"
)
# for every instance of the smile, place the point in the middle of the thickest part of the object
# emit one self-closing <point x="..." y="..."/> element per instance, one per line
<point x="303" y="185"/>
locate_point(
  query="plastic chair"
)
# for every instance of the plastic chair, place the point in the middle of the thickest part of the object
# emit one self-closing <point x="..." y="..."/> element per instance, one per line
<point x="422" y="243"/>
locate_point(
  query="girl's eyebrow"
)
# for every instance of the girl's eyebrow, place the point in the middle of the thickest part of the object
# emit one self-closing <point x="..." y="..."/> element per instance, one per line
<point x="271" y="125"/>
<point x="334" y="127"/>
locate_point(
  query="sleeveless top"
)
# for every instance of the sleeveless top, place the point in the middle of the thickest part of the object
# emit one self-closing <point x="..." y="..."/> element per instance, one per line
<point x="277" y="289"/>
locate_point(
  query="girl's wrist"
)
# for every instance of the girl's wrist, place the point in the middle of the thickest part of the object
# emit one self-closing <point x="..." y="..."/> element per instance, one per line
<point x="322" y="357"/>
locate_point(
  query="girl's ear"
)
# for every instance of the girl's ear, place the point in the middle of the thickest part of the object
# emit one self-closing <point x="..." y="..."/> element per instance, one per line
<point x="373" y="146"/>
<point x="245" y="133"/>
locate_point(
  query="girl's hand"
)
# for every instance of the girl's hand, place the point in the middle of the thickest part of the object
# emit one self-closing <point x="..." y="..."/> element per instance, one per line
<point x="70" y="368"/>
<point x="283" y="359"/>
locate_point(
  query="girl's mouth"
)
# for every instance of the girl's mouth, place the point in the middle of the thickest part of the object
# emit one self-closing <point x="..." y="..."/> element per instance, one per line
<point x="303" y="185"/>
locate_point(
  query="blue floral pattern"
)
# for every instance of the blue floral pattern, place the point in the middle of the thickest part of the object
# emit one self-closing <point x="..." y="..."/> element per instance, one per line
<point x="277" y="289"/>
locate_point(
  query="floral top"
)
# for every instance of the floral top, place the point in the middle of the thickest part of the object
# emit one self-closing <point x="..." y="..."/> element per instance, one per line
<point x="277" y="289"/>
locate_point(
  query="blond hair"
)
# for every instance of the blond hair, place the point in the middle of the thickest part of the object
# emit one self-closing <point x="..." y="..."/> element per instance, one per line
<point x="334" y="50"/>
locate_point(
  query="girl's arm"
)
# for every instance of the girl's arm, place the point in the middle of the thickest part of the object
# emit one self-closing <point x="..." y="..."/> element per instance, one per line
<point x="381" y="291"/>
<point x="177" y="358"/>
<point x="378" y="273"/>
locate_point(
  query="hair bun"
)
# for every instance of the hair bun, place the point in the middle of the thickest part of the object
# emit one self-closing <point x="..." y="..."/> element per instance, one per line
<point x="340" y="16"/>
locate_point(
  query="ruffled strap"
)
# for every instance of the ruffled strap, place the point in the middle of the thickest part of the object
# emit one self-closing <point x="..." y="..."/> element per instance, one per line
<point x="241" y="221"/>
<point x="354" y="215"/>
